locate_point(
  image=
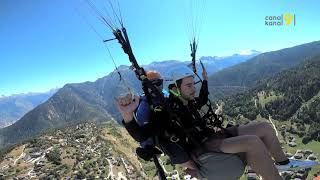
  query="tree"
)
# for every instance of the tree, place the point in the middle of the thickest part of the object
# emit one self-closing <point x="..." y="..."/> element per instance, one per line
<point x="81" y="174"/>
<point x="306" y="139"/>
<point x="54" y="157"/>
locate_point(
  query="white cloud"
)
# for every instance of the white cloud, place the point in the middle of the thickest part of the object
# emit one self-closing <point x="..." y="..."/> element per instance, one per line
<point x="246" y="52"/>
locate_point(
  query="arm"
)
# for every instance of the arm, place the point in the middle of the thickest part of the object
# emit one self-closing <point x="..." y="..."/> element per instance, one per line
<point x="180" y="157"/>
<point x="204" y="92"/>
<point x="189" y="164"/>
<point x="127" y="106"/>
<point x="139" y="134"/>
<point x="203" y="95"/>
<point x="154" y="127"/>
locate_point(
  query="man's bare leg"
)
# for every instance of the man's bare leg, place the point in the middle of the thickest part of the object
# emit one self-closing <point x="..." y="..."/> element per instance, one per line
<point x="256" y="154"/>
<point x="267" y="134"/>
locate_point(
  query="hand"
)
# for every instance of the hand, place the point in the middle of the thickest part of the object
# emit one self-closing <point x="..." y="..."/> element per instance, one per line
<point x="192" y="172"/>
<point x="189" y="165"/>
<point x="126" y="106"/>
<point x="219" y="110"/>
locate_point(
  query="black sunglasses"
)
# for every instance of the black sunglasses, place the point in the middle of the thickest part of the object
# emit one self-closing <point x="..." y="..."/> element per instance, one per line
<point x="157" y="82"/>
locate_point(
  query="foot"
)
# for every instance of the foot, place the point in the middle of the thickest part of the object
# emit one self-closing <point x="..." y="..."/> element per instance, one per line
<point x="297" y="164"/>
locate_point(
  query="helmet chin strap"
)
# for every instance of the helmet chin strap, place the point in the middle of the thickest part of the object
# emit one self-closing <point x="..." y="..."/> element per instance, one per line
<point x="177" y="93"/>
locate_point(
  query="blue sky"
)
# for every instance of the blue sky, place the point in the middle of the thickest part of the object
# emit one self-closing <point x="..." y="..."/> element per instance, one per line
<point x="46" y="43"/>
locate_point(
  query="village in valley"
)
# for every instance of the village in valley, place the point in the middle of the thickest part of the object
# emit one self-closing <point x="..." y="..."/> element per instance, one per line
<point x="79" y="152"/>
<point x="83" y="151"/>
<point x="103" y="152"/>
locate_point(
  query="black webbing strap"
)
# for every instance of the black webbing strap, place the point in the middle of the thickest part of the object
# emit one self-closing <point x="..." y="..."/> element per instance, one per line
<point x="147" y="87"/>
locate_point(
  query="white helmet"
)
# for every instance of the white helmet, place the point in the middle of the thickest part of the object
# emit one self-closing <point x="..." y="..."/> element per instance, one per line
<point x="176" y="74"/>
<point x="180" y="73"/>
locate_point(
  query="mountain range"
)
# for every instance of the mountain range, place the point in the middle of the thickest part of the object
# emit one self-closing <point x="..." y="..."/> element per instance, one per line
<point x="245" y="75"/>
<point x="291" y="98"/>
<point x="94" y="101"/>
<point x="291" y="95"/>
<point x="13" y="107"/>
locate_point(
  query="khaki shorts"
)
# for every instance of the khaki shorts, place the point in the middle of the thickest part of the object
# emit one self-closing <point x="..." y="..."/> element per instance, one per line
<point x="220" y="166"/>
<point x="212" y="144"/>
<point x="216" y="165"/>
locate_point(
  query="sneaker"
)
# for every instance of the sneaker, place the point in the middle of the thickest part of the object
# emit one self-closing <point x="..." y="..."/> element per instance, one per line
<point x="297" y="164"/>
